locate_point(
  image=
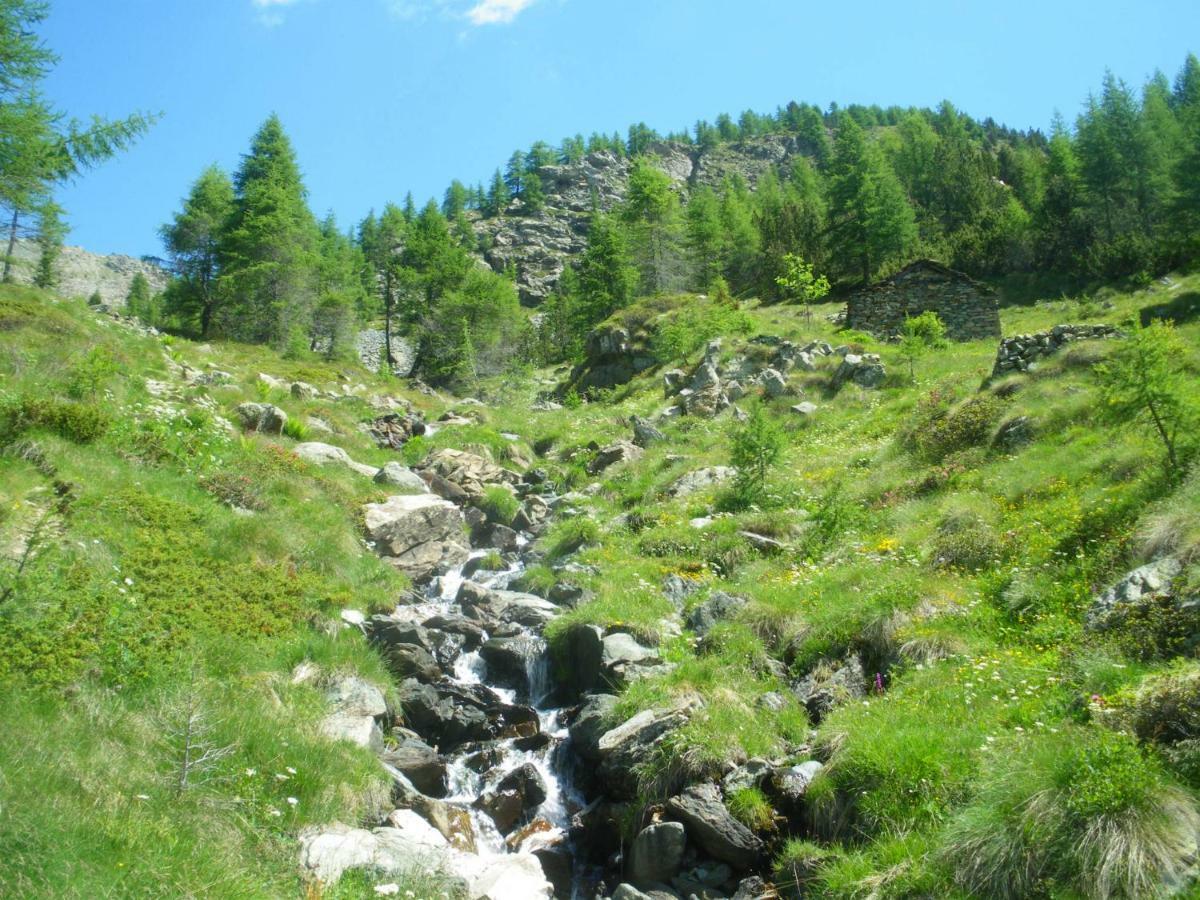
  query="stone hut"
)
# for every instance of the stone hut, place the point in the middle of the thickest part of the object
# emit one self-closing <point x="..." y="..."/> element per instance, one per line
<point x="966" y="306"/>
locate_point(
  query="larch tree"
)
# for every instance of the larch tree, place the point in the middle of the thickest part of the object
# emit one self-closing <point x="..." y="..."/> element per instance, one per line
<point x="193" y="240"/>
<point x="269" y="251"/>
<point x="38" y="149"/>
<point x="870" y="218"/>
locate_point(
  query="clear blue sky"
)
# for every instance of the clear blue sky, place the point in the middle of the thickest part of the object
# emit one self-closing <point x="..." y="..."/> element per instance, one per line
<point x="386" y="96"/>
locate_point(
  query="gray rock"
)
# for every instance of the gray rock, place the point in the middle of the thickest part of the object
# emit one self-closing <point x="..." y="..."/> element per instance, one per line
<point x="762" y="543"/>
<point x="616" y="452"/>
<point x="508" y="656"/>
<point x="585" y="648"/>
<point x="417" y="533"/>
<point x="421" y="764"/>
<point x="830" y="685"/>
<point x="701" y="480"/>
<point x="263" y="417"/>
<point x="361" y="730"/>
<point x="773" y="383"/>
<point x="805" y="409"/>
<point x="657" y="853"/>
<point x="591" y="724"/>
<point x="518" y="793"/>
<point x="866" y="371"/>
<point x="624" y="747"/>
<point x="325" y="454"/>
<point x="620" y="654"/>
<point x="398" y="475"/>
<point x="1151" y="581"/>
<point x="351" y="695"/>
<point x="644" y="433"/>
<point x="717" y="608"/>
<point x="708" y="823"/>
<point x="788" y="786"/>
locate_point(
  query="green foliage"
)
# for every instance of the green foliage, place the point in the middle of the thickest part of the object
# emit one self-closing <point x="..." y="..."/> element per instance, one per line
<point x="940" y="428"/>
<point x="751" y="807"/>
<point x="88" y="376"/>
<point x="1144" y="384"/>
<point x="76" y="421"/>
<point x="1084" y="811"/>
<point x="499" y="504"/>
<point x="690" y="328"/>
<point x="920" y="335"/>
<point x="297" y="430"/>
<point x="799" y="283"/>
<point x="565" y="537"/>
<point x="756" y="447"/>
<point x="140" y="303"/>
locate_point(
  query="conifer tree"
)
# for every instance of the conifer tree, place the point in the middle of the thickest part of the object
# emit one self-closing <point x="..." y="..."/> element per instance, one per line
<point x="869" y="214"/>
<point x="269" y="256"/>
<point x="497" y="197"/>
<point x="193" y="240"/>
<point x="51" y="230"/>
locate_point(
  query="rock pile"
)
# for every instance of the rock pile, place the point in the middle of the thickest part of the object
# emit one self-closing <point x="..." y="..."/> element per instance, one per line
<point x="1018" y="352"/>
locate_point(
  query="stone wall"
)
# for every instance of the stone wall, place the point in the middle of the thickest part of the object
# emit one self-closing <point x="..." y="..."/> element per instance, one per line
<point x="1018" y="352"/>
<point x="966" y="307"/>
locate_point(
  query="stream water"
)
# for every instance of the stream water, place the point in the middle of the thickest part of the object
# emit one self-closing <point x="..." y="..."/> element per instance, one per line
<point x="467" y="780"/>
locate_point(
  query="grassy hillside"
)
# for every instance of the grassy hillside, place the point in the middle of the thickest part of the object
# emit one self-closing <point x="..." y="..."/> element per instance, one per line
<point x="159" y="567"/>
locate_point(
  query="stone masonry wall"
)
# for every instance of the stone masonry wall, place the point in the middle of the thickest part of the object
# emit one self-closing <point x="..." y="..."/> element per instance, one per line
<point x="966" y="307"/>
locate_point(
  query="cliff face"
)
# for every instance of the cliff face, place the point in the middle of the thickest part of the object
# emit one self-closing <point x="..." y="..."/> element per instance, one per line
<point x="81" y="274"/>
<point x="538" y="245"/>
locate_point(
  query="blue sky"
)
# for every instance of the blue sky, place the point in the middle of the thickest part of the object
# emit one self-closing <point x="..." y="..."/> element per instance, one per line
<point x="385" y="96"/>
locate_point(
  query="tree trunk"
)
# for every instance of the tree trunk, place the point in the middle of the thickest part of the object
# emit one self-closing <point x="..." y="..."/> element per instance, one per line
<point x="12" y="246"/>
<point x="387" y="323"/>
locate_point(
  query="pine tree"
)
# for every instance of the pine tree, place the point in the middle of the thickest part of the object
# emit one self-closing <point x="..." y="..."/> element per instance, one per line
<point x="139" y="303"/>
<point x="268" y="255"/>
<point x="193" y="240"/>
<point x="651" y="212"/>
<point x="705" y="237"/>
<point x="514" y="173"/>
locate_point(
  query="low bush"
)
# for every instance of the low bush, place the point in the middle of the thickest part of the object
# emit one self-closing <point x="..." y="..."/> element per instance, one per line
<point x="690" y="328"/>
<point x="1084" y="812"/>
<point x="79" y="422"/>
<point x="939" y="428"/>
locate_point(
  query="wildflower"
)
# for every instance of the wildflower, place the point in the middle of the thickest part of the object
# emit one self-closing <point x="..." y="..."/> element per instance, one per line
<point x="291" y="771"/>
<point x="276" y="813"/>
<point x="292" y="801"/>
<point x="280" y="777"/>
<point x="141" y="796"/>
<point x="129" y="581"/>
<point x="388" y="890"/>
<point x="250" y="773"/>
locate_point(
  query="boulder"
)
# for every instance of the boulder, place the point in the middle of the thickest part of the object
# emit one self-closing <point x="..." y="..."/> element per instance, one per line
<point x="420" y="763"/>
<point x="361" y="730"/>
<point x="417" y="533"/>
<point x="508" y="656"/>
<point x="328" y="851"/>
<point x="471" y="473"/>
<point x="519" y="792"/>
<point x="644" y="433"/>
<point x="584" y="646"/>
<point x="701" y="480"/>
<point x="829" y="685"/>
<point x="393" y="430"/>
<point x="324" y="454"/>
<point x="1153" y="582"/>
<point x="806" y="409"/>
<point x="773" y="383"/>
<point x="353" y="696"/>
<point x="719" y="607"/>
<point x="512" y="876"/>
<point x="708" y="823"/>
<point x="623" y="748"/>
<point x="616" y="452"/>
<point x="262" y="417"/>
<point x="395" y="474"/>
<point x="590" y="724"/>
<point x="865" y="370"/>
<point x="788" y="786"/>
<point x="657" y="853"/>
<point x="620" y="654"/>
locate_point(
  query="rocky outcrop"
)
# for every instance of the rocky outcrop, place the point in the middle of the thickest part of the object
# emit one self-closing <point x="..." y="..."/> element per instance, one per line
<point x="538" y="245"/>
<point x="262" y="417"/>
<point x="657" y="853"/>
<point x="393" y="430"/>
<point x="371" y="347"/>
<point x="865" y="370"/>
<point x="1018" y="353"/>
<point x="616" y="452"/>
<point x="611" y="358"/>
<point x="1153" y="583"/>
<point x="82" y="274"/>
<point x="470" y="473"/>
<point x="324" y="454"/>
<point x="417" y="533"/>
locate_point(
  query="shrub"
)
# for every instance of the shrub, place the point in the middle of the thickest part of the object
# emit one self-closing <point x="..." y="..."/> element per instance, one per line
<point x="498" y="504"/>
<point x="689" y="329"/>
<point x="81" y="423"/>
<point x="921" y="334"/>
<point x="938" y="428"/>
<point x="1084" y="812"/>
<point x="90" y="374"/>
<point x="756" y="448"/>
<point x="234" y="490"/>
<point x="965" y="541"/>
<point x="415" y="450"/>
